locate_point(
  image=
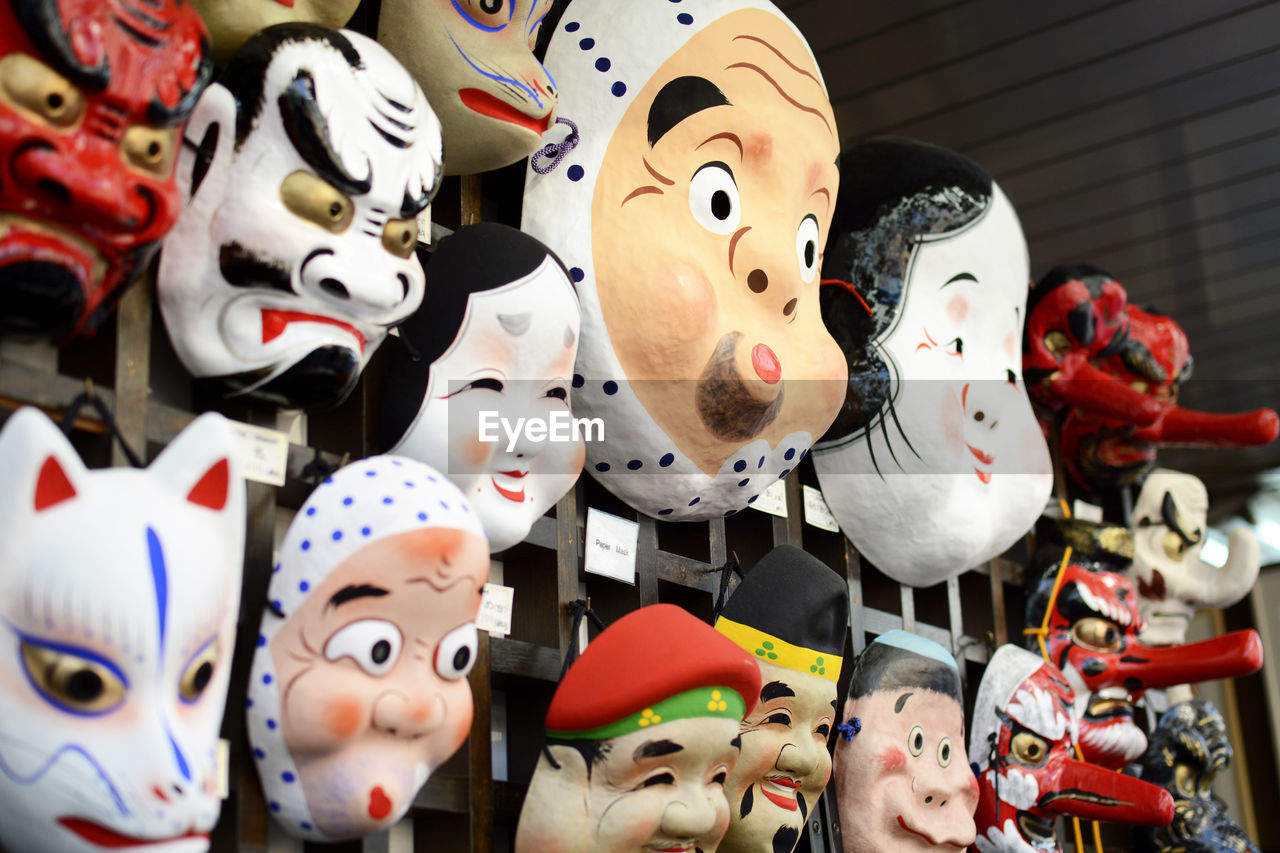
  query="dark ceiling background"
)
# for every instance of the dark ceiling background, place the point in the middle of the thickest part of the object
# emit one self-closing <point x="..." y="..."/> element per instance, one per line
<point x="1141" y="136"/>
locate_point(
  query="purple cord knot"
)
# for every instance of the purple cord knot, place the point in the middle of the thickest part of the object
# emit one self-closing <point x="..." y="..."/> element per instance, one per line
<point x="849" y="729"/>
<point x="556" y="151"/>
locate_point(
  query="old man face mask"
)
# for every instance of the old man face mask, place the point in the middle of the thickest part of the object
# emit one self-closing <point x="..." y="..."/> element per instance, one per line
<point x="474" y="59"/>
<point x="358" y="689"/>
<point x="641" y="735"/>
<point x="232" y="22"/>
<point x="480" y="388"/>
<point x="119" y="591"/>
<point x="791" y="614"/>
<point x="700" y="191"/>
<point x="93" y="94"/>
<point x="296" y="252"/>
<point x="1092" y="636"/>
<point x="924" y="287"/>
<point x="1023" y="736"/>
<point x="1170" y="526"/>
<point x="902" y="780"/>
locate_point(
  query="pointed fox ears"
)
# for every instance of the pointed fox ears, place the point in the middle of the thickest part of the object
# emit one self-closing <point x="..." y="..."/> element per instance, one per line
<point x="46" y="471"/>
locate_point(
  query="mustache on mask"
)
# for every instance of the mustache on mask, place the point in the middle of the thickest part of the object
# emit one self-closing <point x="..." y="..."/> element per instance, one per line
<point x="243" y="267"/>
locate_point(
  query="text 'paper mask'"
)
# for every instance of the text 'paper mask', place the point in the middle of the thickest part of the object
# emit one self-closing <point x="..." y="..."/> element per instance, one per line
<point x="641" y="735"/>
<point x="358" y="690"/>
<point x="902" y="780"/>
<point x="306" y="168"/>
<point x="935" y="463"/>
<point x="93" y="94"/>
<point x="479" y="389"/>
<point x="119" y="591"/>
<point x="474" y="59"/>
<point x="693" y="211"/>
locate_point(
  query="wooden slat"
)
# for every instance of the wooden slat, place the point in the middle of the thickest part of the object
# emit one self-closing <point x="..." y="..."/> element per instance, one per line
<point x="133" y="369"/>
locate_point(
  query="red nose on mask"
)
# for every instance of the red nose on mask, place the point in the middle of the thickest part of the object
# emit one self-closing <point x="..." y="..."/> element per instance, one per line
<point x="1095" y="793"/>
<point x="1083" y="386"/>
<point x="1187" y="426"/>
<point x="1229" y="656"/>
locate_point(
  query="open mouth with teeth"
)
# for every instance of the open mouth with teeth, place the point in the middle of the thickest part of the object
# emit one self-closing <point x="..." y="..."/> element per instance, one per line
<point x="25" y="239"/>
<point x="1103" y="708"/>
<point x="1035" y="829"/>
<point x="516" y="493"/>
<point x="781" y="791"/>
<point x="275" y="321"/>
<point x="106" y="837"/>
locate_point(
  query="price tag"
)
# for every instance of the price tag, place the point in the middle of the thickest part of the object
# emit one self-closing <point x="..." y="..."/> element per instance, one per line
<point x="262" y="454"/>
<point x="816" y="511"/>
<point x="773" y="500"/>
<point x="611" y="546"/>
<point x="1083" y="511"/>
<point x="495" y="609"/>
<point x="222" y="762"/>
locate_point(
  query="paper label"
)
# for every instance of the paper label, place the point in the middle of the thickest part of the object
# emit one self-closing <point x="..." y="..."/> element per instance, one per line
<point x="1084" y="511"/>
<point x="222" y="760"/>
<point x="816" y="511"/>
<point x="495" y="609"/>
<point x="261" y="453"/>
<point x="611" y="546"/>
<point x="773" y="500"/>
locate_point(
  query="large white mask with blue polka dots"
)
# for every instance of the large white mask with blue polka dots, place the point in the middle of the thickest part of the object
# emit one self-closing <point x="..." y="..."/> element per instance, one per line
<point x="358" y="689"/>
<point x="118" y="603"/>
<point x="693" y="212"/>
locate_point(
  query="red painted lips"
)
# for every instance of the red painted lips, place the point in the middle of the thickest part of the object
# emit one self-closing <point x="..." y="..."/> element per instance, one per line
<point x="487" y="105"/>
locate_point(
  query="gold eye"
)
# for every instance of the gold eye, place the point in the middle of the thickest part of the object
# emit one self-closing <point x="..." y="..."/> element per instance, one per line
<point x="1174" y="546"/>
<point x="73" y="682"/>
<point x="149" y="149"/>
<point x="198" y="674"/>
<point x="1097" y="634"/>
<point x="1028" y="749"/>
<point x="1185" y="779"/>
<point x="915" y="741"/>
<point x="316" y="201"/>
<point x="400" y="236"/>
<point x="38" y="90"/>
<point x="1057" y="343"/>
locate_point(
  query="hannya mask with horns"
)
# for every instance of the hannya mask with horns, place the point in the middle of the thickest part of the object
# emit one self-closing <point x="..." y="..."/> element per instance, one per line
<point x="119" y="592"/>
<point x="306" y="168"/>
<point x="693" y="212"/>
<point x="490" y="352"/>
<point x="1111" y="373"/>
<point x="642" y="734"/>
<point x="1092" y="636"/>
<point x="358" y="690"/>
<point x="93" y="94"/>
<point x="901" y="780"/>
<point x="232" y="22"/>
<point x="1024" y="732"/>
<point x="924" y="284"/>
<point x="475" y="60"/>
<point x="1170" y="526"/>
<point x="791" y="614"/>
<point x="1186" y="752"/>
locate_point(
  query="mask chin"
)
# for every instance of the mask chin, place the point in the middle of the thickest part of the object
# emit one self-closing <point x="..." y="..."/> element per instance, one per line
<point x="40" y="298"/>
<point x="322" y="379"/>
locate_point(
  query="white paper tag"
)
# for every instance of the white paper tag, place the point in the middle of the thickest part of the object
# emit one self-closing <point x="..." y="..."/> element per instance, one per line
<point x="222" y="761"/>
<point x="773" y="500"/>
<point x="1084" y="511"/>
<point x="611" y="546"/>
<point x="495" y="609"/>
<point x="816" y="511"/>
<point x="263" y="454"/>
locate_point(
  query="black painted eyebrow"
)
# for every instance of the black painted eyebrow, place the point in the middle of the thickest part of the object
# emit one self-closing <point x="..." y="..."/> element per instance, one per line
<point x="902" y="700"/>
<point x="678" y="100"/>
<point x="655" y="749"/>
<point x="964" y="276"/>
<point x="308" y="130"/>
<point x="347" y="593"/>
<point x="774" y="689"/>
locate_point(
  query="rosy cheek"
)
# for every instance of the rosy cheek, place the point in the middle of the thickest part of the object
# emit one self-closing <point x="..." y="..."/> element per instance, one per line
<point x="952" y="416"/>
<point x="958" y="309"/>
<point x="759" y="148"/>
<point x="1009" y="344"/>
<point x="342" y="717"/>
<point x="973" y="786"/>
<point x="474" y="451"/>
<point x="892" y="759"/>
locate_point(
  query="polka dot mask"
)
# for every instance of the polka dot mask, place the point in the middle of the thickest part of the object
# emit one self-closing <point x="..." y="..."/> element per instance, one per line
<point x="703" y="350"/>
<point x="370" y="628"/>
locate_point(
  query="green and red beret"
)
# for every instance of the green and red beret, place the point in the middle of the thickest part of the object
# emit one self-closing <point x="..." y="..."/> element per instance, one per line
<point x="654" y="665"/>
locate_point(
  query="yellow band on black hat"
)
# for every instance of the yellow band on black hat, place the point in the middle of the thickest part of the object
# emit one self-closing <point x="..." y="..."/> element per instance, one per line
<point x="770" y="649"/>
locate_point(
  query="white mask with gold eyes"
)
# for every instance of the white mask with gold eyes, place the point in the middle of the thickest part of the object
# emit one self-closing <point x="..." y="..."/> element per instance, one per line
<point x="119" y="592"/>
<point x="296" y="252"/>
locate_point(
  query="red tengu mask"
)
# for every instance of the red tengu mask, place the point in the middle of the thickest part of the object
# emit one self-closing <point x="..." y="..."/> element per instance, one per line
<point x="92" y="97"/>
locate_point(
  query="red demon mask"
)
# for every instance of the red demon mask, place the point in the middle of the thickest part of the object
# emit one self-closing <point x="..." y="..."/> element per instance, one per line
<point x="1093" y="638"/>
<point x="92" y="96"/>
<point x="1022" y="750"/>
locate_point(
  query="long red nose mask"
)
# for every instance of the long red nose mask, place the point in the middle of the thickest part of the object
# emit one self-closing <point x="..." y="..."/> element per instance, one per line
<point x="1229" y="656"/>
